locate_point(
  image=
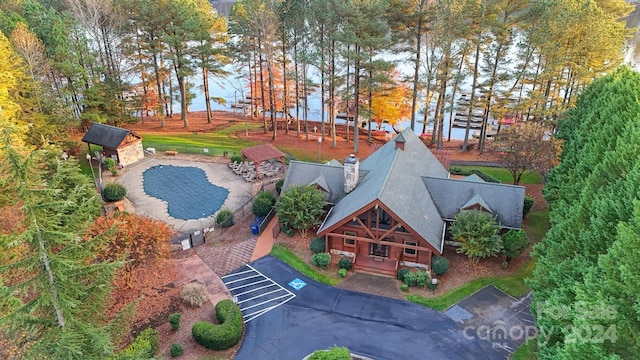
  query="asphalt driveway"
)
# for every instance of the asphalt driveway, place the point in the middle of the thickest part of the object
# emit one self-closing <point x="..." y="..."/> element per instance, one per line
<point x="320" y="317"/>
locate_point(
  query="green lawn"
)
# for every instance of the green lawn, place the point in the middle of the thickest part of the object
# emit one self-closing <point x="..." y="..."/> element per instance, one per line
<point x="504" y="175"/>
<point x="215" y="142"/>
<point x="283" y="253"/>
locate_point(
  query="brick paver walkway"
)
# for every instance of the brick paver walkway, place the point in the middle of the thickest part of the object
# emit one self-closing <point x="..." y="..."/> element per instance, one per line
<point x="223" y="259"/>
<point x="372" y="284"/>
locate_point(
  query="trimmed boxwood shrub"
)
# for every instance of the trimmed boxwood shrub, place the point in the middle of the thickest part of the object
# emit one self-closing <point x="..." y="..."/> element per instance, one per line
<point x="174" y="320"/>
<point x="404" y="287"/>
<point x="224" y="218"/>
<point x="321" y="260"/>
<point x="176" y="350"/>
<point x="317" y="245"/>
<point x="345" y="263"/>
<point x="225" y="335"/>
<point x="439" y="265"/>
<point x="113" y="192"/>
<point x="342" y="273"/>
<point x="144" y="347"/>
<point x="263" y="203"/>
<point x="402" y="273"/>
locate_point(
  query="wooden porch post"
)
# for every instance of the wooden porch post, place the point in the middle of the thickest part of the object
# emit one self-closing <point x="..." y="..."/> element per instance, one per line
<point x="326" y="243"/>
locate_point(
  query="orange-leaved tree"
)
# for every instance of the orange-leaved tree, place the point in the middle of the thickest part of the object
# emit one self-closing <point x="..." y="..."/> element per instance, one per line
<point x="143" y="243"/>
<point x="392" y="102"/>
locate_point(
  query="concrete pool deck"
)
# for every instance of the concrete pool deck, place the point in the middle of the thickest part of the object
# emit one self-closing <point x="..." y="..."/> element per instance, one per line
<point x="240" y="191"/>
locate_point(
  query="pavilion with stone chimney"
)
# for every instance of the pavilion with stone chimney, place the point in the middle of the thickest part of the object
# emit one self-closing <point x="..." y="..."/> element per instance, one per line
<point x="392" y="210"/>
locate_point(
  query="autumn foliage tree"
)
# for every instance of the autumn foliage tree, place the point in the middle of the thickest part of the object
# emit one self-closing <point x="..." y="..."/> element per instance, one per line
<point x="527" y="147"/>
<point x="391" y="103"/>
<point x="143" y="243"/>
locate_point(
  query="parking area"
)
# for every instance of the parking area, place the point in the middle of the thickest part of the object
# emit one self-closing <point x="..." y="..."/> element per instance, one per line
<point x="498" y="318"/>
<point x="255" y="293"/>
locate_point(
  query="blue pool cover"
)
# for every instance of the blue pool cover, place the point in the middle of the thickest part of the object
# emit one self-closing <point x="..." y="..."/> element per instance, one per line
<point x="186" y="190"/>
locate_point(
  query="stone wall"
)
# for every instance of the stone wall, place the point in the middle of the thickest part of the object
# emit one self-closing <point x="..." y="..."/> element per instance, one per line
<point x="130" y="153"/>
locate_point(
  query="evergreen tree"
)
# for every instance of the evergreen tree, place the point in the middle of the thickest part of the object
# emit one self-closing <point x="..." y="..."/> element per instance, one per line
<point x="589" y="193"/>
<point x="58" y="289"/>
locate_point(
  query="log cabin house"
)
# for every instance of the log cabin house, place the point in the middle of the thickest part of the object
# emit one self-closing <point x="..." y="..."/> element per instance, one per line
<point x="392" y="210"/>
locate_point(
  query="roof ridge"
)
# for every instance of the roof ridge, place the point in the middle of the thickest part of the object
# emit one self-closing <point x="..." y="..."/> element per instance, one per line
<point x="383" y="186"/>
<point x="470" y="181"/>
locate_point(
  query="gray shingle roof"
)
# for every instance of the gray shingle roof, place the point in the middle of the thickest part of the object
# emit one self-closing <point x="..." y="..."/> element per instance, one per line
<point x="411" y="183"/>
<point x="304" y="173"/>
<point x="477" y="200"/>
<point x="393" y="176"/>
<point x="105" y="135"/>
<point x="506" y="201"/>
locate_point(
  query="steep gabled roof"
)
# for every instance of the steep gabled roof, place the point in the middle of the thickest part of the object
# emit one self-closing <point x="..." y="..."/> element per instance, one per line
<point x="105" y="135"/>
<point x="393" y="176"/>
<point x="450" y="195"/>
<point x="474" y="177"/>
<point x="304" y="173"/>
<point x="476" y="200"/>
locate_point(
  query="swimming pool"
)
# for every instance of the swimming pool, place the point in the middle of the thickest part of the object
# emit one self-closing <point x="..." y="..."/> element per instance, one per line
<point x="186" y="189"/>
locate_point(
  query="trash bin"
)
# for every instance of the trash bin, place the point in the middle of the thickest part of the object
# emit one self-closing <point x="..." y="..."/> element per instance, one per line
<point x="255" y="228"/>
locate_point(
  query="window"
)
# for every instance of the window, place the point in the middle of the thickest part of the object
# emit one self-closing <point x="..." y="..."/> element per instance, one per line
<point x="349" y="241"/>
<point x="410" y="252"/>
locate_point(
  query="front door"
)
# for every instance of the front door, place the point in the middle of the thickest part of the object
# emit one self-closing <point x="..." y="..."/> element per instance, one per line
<point x="379" y="250"/>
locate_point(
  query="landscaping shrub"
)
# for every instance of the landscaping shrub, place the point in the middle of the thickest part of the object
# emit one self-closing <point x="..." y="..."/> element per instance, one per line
<point x="439" y="265"/>
<point x="287" y="230"/>
<point x="410" y="279"/>
<point x="236" y="158"/>
<point x="176" y="350"/>
<point x="345" y="263"/>
<point x="402" y="273"/>
<point x="144" y="347"/>
<point x="108" y="163"/>
<point x="335" y="353"/>
<point x="321" y="260"/>
<point x="317" y="245"/>
<point x="422" y="277"/>
<point x="342" y="273"/>
<point x="279" y="186"/>
<point x="515" y="242"/>
<point x="194" y="294"/>
<point x="224" y="218"/>
<point x="113" y="192"/>
<point x="528" y="204"/>
<point x="225" y="335"/>
<point x="263" y="203"/>
<point x="404" y="287"/>
<point x="174" y="320"/>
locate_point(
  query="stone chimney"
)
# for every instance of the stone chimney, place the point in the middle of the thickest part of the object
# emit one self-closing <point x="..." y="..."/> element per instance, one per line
<point x="351" y="173"/>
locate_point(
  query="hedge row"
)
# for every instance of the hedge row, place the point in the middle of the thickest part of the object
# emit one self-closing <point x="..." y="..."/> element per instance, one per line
<point x="225" y="335"/>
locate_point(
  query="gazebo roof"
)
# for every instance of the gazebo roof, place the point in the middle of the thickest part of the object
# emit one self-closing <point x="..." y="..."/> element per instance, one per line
<point x="261" y="153"/>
